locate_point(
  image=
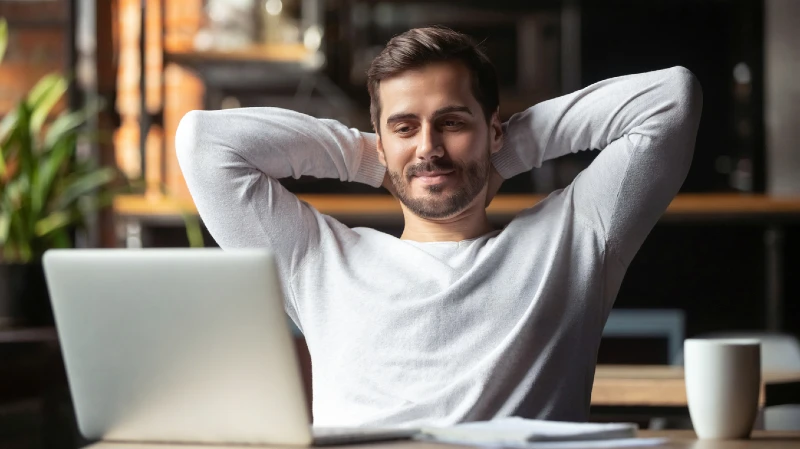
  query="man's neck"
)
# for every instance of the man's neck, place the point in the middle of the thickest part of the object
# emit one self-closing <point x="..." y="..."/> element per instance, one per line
<point x="470" y="223"/>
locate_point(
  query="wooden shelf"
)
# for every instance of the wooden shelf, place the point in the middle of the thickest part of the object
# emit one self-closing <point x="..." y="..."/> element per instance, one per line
<point x="286" y="53"/>
<point x="384" y="207"/>
<point x="339" y="205"/>
<point x="732" y="203"/>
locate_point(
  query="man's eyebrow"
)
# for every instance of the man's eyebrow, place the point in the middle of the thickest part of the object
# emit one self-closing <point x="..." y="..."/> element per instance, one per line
<point x="401" y="116"/>
<point x="451" y="109"/>
<point x="442" y="111"/>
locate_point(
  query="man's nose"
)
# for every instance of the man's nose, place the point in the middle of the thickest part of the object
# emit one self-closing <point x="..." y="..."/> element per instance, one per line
<point x="430" y="145"/>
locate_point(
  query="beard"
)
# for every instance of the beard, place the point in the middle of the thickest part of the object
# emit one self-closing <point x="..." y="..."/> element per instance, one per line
<point x="436" y="204"/>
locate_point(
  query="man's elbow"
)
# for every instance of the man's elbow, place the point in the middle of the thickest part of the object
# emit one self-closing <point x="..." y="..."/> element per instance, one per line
<point x="188" y="137"/>
<point x="688" y="93"/>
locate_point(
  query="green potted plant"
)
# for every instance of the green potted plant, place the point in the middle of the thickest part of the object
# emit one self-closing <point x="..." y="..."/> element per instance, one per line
<point x="45" y="193"/>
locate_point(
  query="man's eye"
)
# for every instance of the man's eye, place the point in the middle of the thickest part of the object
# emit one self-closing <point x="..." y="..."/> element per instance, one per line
<point x="403" y="129"/>
<point x="452" y="123"/>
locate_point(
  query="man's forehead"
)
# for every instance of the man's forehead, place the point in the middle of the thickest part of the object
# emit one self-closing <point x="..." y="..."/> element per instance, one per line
<point x="427" y="89"/>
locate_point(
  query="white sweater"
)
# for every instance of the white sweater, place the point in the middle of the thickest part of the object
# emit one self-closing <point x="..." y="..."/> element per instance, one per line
<point x="403" y="332"/>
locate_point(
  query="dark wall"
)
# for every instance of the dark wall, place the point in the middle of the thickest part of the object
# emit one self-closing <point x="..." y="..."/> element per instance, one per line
<point x="714" y="271"/>
<point x="709" y="37"/>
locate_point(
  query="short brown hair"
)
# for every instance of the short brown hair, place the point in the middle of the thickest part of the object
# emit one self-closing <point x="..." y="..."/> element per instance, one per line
<point x="421" y="46"/>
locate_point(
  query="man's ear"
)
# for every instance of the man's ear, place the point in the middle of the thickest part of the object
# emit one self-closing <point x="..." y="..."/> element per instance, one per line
<point x="379" y="147"/>
<point x="495" y="132"/>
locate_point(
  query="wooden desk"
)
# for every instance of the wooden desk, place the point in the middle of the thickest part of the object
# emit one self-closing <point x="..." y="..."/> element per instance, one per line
<point x="760" y="439"/>
<point x="659" y="386"/>
<point x="679" y="439"/>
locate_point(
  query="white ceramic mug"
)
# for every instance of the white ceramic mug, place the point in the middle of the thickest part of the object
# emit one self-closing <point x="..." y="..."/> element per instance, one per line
<point x="723" y="383"/>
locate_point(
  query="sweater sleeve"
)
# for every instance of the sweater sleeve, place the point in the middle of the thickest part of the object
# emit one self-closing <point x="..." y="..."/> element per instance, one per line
<point x="232" y="161"/>
<point x="645" y="125"/>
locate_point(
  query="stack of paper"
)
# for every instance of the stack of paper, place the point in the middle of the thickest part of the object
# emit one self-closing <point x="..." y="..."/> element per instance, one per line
<point x="520" y="432"/>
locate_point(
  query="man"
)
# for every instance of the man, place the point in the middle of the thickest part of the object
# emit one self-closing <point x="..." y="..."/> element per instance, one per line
<point x="454" y="321"/>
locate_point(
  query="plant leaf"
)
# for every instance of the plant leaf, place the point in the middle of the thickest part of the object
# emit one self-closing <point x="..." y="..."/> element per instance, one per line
<point x="84" y="184"/>
<point x="191" y="222"/>
<point x="93" y="203"/>
<point x="56" y="220"/>
<point x="68" y="123"/>
<point x="51" y="164"/>
<point x="193" y="230"/>
<point x="3" y="167"/>
<point x="14" y="198"/>
<point x="64" y="126"/>
<point x="22" y="244"/>
<point x="41" y="92"/>
<point x="5" y="225"/>
<point x="60" y="239"/>
<point x="7" y="124"/>
<point x="21" y="140"/>
<point x="19" y="148"/>
<point x="3" y="37"/>
<point x="44" y="95"/>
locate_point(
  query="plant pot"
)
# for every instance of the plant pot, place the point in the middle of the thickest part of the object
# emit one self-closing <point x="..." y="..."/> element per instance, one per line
<point x="24" y="300"/>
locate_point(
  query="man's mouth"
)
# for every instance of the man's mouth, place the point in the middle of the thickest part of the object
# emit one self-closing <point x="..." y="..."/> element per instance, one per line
<point x="433" y="177"/>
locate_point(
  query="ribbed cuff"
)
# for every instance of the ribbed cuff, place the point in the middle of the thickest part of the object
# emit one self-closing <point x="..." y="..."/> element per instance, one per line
<point x="506" y="161"/>
<point x="370" y="171"/>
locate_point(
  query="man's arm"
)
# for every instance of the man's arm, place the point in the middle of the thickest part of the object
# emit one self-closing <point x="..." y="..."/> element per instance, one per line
<point x="232" y="160"/>
<point x="646" y="126"/>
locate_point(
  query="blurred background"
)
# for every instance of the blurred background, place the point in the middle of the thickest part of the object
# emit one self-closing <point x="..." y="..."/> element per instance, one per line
<point x="725" y="258"/>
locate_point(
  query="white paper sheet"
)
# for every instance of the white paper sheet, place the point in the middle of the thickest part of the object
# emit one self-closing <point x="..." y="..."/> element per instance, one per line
<point x="517" y="430"/>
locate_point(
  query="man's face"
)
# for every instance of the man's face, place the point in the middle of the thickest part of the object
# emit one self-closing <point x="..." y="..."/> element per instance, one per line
<point x="434" y="139"/>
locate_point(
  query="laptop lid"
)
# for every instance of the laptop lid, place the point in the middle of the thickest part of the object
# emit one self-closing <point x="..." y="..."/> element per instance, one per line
<point x="177" y="345"/>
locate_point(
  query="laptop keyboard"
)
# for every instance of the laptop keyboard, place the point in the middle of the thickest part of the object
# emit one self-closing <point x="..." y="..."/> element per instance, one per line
<point x="342" y="435"/>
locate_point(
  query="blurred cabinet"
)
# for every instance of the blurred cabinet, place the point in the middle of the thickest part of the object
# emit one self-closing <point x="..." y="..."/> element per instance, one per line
<point x="175" y="57"/>
<point x="152" y="94"/>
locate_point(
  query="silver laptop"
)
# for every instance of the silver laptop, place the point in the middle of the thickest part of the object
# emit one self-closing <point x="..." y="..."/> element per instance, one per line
<point x="182" y="345"/>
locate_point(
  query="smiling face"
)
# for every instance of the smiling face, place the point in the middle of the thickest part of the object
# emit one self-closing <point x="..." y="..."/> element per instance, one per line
<point x="434" y="139"/>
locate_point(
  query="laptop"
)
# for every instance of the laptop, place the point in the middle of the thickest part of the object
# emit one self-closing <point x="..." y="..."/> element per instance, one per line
<point x="183" y="346"/>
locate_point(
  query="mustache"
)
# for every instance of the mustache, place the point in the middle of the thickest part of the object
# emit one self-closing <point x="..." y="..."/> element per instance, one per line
<point x="430" y="166"/>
